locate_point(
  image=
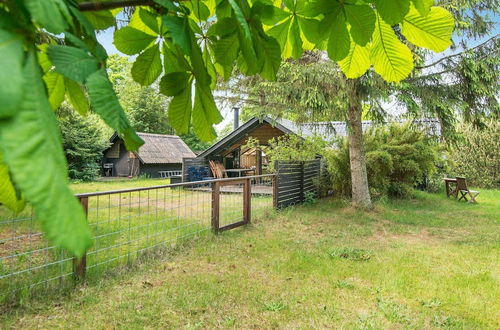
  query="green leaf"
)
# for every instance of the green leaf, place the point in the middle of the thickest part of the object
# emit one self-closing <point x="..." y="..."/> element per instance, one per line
<point x="147" y="66"/>
<point x="76" y="96"/>
<point x="423" y="6"/>
<point x="131" y="41"/>
<point x="31" y="146"/>
<point x="179" y="111"/>
<point x="167" y="4"/>
<point x="207" y="60"/>
<point x="11" y="77"/>
<point x="242" y="20"/>
<point x="391" y="58"/>
<point x="51" y="15"/>
<point x="71" y="62"/>
<point x="339" y="41"/>
<point x="280" y="33"/>
<point x="226" y="49"/>
<point x="55" y="87"/>
<point x="104" y="102"/>
<point x="310" y="28"/>
<point x="137" y="21"/>
<point x="357" y="62"/>
<point x="8" y="194"/>
<point x="43" y="58"/>
<point x="362" y="21"/>
<point x="252" y="64"/>
<point x="205" y="113"/>
<point x="173" y="59"/>
<point x="392" y="11"/>
<point x="272" y="58"/>
<point x="174" y="83"/>
<point x="295" y="39"/>
<point x="101" y="20"/>
<point x="198" y="9"/>
<point x="179" y="31"/>
<point x="150" y="20"/>
<point x="199" y="69"/>
<point x="432" y="31"/>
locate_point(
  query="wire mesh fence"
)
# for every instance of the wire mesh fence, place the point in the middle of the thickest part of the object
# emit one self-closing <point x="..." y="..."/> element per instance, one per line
<point x="125" y="224"/>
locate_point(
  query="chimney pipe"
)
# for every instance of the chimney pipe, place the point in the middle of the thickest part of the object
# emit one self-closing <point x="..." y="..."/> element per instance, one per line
<point x="236" y="122"/>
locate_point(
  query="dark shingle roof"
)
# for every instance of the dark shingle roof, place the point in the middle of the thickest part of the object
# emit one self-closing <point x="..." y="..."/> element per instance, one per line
<point x="163" y="149"/>
<point x="339" y="128"/>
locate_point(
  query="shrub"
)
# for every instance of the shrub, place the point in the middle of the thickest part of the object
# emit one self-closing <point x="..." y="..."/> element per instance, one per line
<point x="397" y="157"/>
<point x="476" y="154"/>
<point x="83" y="144"/>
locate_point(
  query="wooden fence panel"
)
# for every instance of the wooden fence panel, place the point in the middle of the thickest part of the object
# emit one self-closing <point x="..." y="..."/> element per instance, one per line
<point x="295" y="180"/>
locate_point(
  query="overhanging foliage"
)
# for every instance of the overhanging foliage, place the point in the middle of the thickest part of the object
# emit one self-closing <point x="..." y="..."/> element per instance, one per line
<point x="186" y="43"/>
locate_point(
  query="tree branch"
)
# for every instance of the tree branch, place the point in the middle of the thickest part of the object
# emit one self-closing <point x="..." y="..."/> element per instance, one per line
<point x="457" y="54"/>
<point x="96" y="6"/>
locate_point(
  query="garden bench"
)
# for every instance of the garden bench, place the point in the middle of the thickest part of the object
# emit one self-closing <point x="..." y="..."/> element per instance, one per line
<point x="465" y="191"/>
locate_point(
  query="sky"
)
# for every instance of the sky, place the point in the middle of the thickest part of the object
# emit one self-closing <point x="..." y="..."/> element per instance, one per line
<point x="106" y="39"/>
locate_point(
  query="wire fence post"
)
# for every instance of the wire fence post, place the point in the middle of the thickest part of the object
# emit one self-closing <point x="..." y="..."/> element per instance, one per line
<point x="247" y="200"/>
<point x="80" y="264"/>
<point x="215" y="207"/>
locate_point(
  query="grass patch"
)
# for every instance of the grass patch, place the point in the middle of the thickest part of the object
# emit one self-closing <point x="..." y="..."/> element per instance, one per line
<point x="429" y="262"/>
<point x="352" y="254"/>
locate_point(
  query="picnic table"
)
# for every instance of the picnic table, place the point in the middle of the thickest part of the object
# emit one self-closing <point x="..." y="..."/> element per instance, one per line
<point x="239" y="171"/>
<point x="451" y="186"/>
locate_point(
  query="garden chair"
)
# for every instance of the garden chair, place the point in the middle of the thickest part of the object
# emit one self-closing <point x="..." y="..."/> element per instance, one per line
<point x="217" y="169"/>
<point x="465" y="191"/>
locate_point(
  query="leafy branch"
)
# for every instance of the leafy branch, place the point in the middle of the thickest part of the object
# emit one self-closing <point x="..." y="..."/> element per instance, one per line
<point x="445" y="58"/>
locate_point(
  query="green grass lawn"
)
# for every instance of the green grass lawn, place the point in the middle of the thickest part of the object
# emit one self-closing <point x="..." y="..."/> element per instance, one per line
<point x="86" y="187"/>
<point x="124" y="226"/>
<point x="428" y="262"/>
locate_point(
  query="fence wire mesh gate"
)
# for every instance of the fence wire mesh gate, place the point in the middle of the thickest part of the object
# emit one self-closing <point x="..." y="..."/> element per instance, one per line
<point x="127" y="224"/>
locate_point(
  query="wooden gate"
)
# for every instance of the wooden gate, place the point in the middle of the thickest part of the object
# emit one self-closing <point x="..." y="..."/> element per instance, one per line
<point x="216" y="203"/>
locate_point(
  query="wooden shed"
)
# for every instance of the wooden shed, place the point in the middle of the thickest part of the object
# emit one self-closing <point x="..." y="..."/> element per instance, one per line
<point x="160" y="156"/>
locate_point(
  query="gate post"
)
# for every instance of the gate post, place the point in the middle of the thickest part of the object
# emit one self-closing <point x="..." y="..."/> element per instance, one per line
<point x="247" y="200"/>
<point x="215" y="207"/>
<point x="80" y="264"/>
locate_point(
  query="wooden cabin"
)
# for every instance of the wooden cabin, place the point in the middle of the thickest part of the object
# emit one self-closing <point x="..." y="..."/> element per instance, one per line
<point x="160" y="156"/>
<point x="230" y="152"/>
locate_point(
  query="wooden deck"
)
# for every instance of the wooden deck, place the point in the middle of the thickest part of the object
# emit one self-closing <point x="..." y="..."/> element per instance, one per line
<point x="256" y="189"/>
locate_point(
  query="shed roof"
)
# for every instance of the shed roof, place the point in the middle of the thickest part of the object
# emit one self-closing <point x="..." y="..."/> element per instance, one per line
<point x="161" y="149"/>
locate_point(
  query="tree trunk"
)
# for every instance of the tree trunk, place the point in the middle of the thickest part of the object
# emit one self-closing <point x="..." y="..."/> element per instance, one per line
<point x="359" y="179"/>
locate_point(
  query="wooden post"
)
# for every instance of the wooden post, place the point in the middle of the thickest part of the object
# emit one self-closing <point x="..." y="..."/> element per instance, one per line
<point x="276" y="181"/>
<point x="215" y="207"/>
<point x="247" y="200"/>
<point x="80" y="264"/>
<point x="301" y="183"/>
<point x="275" y="191"/>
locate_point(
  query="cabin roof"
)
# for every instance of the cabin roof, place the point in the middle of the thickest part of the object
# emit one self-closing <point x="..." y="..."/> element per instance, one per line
<point x="161" y="149"/>
<point x="326" y="130"/>
<point x="241" y="132"/>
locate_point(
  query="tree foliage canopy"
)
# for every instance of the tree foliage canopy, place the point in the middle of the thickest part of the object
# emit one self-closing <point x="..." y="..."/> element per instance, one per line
<point x="185" y="44"/>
